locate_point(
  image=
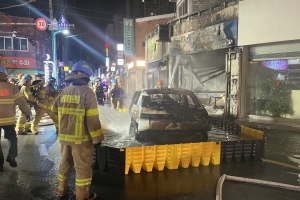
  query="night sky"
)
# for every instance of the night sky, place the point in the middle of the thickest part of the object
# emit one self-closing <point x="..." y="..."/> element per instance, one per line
<point x="90" y="18"/>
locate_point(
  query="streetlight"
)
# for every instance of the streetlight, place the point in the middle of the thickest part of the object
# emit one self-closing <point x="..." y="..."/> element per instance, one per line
<point x="55" y="53"/>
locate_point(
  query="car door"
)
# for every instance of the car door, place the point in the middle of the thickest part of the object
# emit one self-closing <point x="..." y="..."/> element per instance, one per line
<point x="134" y="100"/>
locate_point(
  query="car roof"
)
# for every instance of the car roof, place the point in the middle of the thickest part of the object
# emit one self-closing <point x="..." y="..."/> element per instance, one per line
<point x="167" y="91"/>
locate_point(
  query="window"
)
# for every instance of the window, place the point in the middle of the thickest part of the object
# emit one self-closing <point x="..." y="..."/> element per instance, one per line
<point x="8" y="45"/>
<point x="16" y="42"/>
<point x="13" y="44"/>
<point x="1" y="43"/>
<point x="183" y="8"/>
<point x="24" y="45"/>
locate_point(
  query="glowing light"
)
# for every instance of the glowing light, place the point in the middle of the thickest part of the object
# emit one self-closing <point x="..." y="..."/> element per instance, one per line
<point x="140" y="63"/>
<point x="130" y="65"/>
<point x="66" y="32"/>
<point x="120" y="47"/>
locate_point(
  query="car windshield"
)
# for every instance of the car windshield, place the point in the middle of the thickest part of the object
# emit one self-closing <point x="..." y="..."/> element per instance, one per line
<point x="170" y="100"/>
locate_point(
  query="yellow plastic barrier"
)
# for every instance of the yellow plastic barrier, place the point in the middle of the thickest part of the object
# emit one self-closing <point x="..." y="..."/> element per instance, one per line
<point x="206" y="153"/>
<point x="122" y="109"/>
<point x="127" y="159"/>
<point x="216" y="153"/>
<point x="160" y="157"/>
<point x="196" y="154"/>
<point x="173" y="156"/>
<point x="136" y="159"/>
<point x="186" y="154"/>
<point x="257" y="134"/>
<point x="149" y="158"/>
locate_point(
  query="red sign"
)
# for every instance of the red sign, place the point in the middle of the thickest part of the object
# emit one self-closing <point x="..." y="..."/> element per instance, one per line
<point x="17" y="62"/>
<point x="41" y="24"/>
<point x="4" y="93"/>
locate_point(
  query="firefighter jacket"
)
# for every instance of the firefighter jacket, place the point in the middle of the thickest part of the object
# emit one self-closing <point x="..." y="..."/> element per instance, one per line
<point x="78" y="114"/>
<point x="27" y="93"/>
<point x="117" y="92"/>
<point x="46" y="96"/>
<point x="9" y="96"/>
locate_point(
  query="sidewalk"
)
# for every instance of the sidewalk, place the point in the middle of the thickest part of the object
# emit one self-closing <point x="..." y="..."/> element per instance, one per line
<point x="255" y="121"/>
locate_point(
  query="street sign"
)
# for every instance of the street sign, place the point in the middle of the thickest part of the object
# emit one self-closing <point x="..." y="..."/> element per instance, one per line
<point x="41" y="24"/>
<point x="63" y="23"/>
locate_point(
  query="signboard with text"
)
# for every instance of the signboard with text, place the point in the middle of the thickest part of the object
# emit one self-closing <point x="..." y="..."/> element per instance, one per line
<point x="128" y="36"/>
<point x="17" y="62"/>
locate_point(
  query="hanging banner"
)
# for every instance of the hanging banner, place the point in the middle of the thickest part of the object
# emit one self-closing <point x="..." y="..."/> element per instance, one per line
<point x="128" y="36"/>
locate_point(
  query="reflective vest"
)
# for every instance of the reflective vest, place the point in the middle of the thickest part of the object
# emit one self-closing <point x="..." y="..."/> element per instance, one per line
<point x="78" y="115"/>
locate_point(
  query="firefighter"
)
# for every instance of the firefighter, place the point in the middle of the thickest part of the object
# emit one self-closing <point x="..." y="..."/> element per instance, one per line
<point x="45" y="97"/>
<point x="159" y="84"/>
<point x="9" y="96"/>
<point x="79" y="129"/>
<point x="22" y="126"/>
<point x="117" y="95"/>
<point x="12" y="80"/>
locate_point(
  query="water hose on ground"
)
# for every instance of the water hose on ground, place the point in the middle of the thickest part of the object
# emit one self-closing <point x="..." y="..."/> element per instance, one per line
<point x="252" y="181"/>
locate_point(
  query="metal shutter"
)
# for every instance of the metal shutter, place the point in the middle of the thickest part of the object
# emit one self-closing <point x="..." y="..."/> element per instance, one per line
<point x="283" y="50"/>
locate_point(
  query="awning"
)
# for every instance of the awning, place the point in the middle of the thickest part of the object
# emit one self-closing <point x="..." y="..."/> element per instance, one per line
<point x="25" y="71"/>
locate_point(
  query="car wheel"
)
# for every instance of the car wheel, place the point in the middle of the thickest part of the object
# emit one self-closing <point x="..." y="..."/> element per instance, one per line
<point x="133" y="130"/>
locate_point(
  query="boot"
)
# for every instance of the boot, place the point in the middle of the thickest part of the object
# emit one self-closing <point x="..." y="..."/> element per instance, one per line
<point x="65" y="197"/>
<point x="91" y="197"/>
<point x="12" y="162"/>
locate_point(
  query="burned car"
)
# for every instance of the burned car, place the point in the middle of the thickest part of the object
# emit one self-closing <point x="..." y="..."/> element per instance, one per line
<point x="175" y="112"/>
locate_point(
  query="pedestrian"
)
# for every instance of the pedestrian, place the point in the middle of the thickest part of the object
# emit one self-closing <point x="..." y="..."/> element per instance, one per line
<point x="79" y="129"/>
<point x="45" y="97"/>
<point x="9" y="96"/>
<point x="23" y="126"/>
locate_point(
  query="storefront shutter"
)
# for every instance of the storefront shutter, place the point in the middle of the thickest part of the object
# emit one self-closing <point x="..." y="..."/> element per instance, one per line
<point x="275" y="51"/>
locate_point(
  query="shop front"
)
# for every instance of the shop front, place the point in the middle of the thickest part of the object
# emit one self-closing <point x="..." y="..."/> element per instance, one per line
<point x="273" y="80"/>
<point x="135" y="77"/>
<point x="157" y="70"/>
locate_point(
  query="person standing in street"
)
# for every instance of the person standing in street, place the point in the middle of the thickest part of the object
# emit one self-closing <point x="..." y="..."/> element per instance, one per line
<point x="9" y="96"/>
<point x="45" y="97"/>
<point x="79" y="130"/>
<point x="23" y="126"/>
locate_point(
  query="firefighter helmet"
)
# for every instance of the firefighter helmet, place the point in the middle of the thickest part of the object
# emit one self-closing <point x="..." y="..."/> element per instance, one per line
<point x="120" y="84"/>
<point x="51" y="80"/>
<point x="83" y="67"/>
<point x="26" y="77"/>
<point x="3" y="70"/>
<point x="159" y="83"/>
<point x="20" y="76"/>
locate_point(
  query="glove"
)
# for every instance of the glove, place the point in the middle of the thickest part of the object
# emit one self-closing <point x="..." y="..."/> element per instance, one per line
<point x="28" y="118"/>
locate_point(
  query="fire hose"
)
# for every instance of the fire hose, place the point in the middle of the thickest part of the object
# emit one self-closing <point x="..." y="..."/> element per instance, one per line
<point x="253" y="181"/>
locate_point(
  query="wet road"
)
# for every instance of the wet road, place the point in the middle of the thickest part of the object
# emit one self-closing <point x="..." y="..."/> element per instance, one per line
<point x="39" y="156"/>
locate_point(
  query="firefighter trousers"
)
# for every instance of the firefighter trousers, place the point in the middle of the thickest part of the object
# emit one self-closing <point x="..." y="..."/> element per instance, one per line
<point x="116" y="103"/>
<point x="79" y="156"/>
<point x="38" y="116"/>
<point x="11" y="136"/>
<point x="22" y="124"/>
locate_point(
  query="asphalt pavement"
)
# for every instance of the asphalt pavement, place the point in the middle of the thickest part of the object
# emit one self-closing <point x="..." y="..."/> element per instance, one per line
<point x="39" y="156"/>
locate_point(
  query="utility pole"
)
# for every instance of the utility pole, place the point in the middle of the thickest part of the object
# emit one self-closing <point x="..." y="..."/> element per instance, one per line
<point x="51" y="10"/>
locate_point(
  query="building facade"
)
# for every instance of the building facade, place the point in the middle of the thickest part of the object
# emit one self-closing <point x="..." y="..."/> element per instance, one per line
<point x="22" y="47"/>
<point x="134" y="76"/>
<point x="146" y="8"/>
<point x="236" y="64"/>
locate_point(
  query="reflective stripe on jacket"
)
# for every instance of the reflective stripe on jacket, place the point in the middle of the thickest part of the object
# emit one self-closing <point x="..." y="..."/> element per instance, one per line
<point x="9" y="96"/>
<point x="46" y="95"/>
<point x="27" y="93"/>
<point x="78" y="115"/>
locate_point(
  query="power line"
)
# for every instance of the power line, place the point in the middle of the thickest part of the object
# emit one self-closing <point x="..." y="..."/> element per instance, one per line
<point x="14" y="6"/>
